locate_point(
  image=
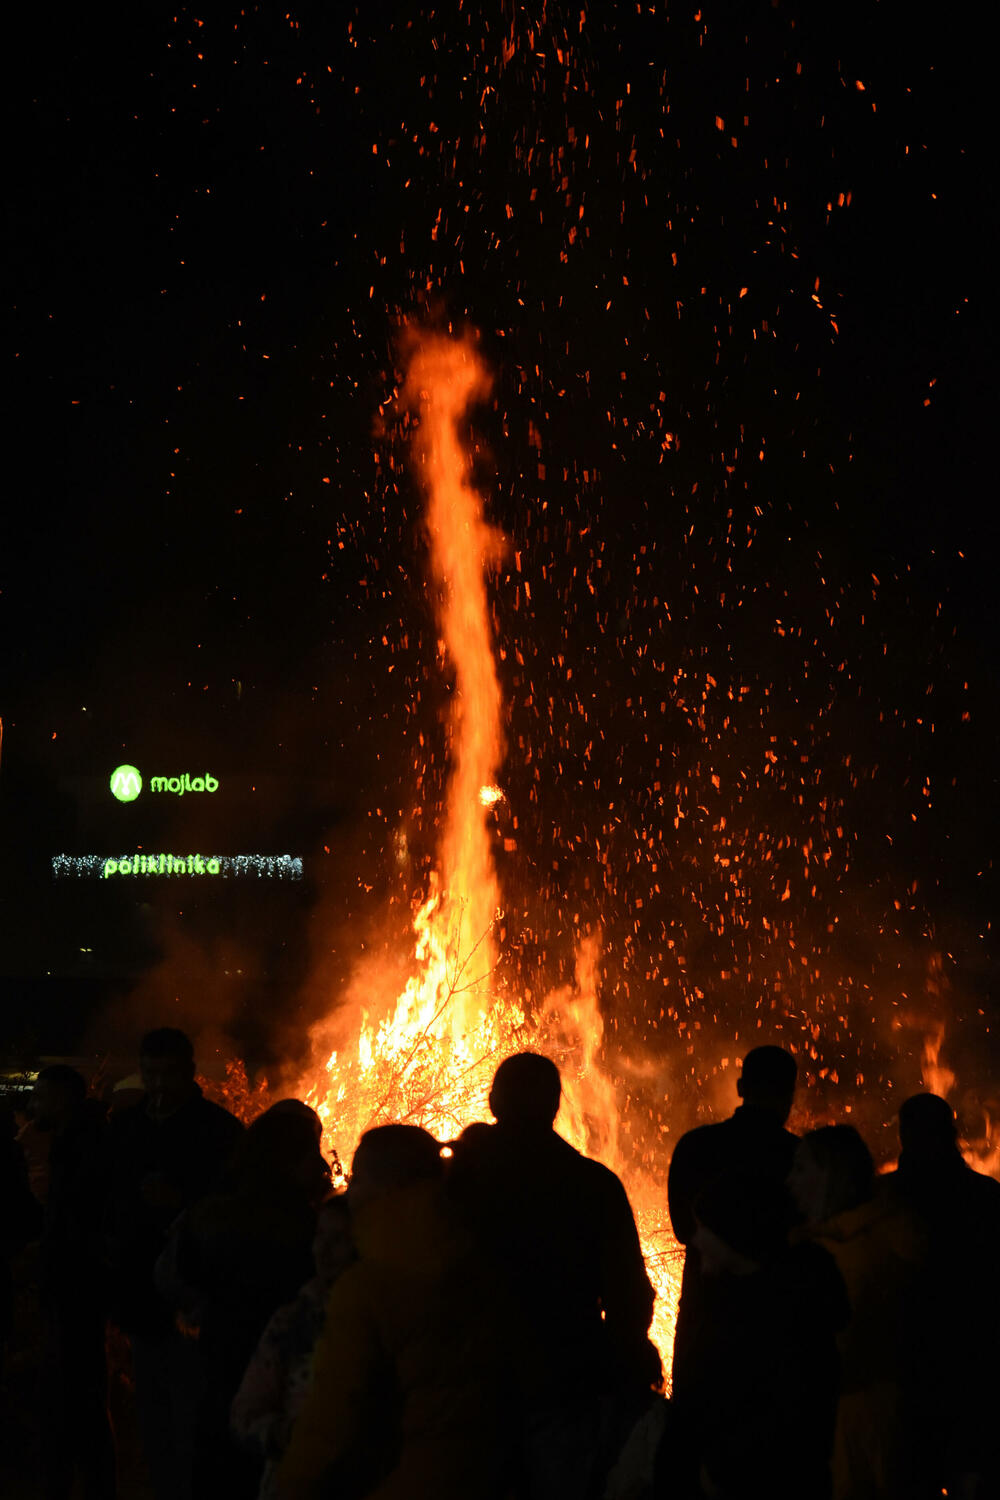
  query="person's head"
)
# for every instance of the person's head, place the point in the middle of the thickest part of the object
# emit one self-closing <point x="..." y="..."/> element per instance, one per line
<point x="333" y="1248"/>
<point x="166" y="1066"/>
<point x="281" y="1148"/>
<point x="391" y="1157"/>
<point x="742" y="1223"/>
<point x="767" y="1081"/>
<point x="927" y="1129"/>
<point x="832" y="1171"/>
<point x="526" y="1091"/>
<point x="303" y="1110"/>
<point x="57" y="1096"/>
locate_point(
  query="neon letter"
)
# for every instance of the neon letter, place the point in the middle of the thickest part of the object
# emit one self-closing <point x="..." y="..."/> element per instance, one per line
<point x="211" y="783"/>
<point x="110" y="867"/>
<point x="213" y="867"/>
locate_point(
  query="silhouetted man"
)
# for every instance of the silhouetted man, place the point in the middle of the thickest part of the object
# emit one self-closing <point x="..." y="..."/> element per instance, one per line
<point x="76" y="1431"/>
<point x="760" y="1399"/>
<point x="754" y="1144"/>
<point x="960" y="1311"/>
<point x="561" y="1230"/>
<point x="165" y="1153"/>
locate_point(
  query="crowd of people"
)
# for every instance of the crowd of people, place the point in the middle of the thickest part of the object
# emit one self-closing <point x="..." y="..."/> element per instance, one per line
<point x="471" y="1321"/>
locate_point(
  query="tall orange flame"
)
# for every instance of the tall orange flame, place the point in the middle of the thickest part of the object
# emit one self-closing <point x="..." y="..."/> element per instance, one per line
<point x="428" y="1054"/>
<point x="444" y="378"/>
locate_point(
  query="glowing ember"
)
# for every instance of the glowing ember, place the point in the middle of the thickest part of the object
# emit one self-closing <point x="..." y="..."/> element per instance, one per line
<point x="427" y="1055"/>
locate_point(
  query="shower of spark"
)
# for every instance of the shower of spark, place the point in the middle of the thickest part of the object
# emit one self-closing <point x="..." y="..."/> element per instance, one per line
<point x="719" y="757"/>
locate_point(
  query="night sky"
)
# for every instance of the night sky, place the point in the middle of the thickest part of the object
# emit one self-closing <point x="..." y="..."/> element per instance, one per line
<point x="732" y="269"/>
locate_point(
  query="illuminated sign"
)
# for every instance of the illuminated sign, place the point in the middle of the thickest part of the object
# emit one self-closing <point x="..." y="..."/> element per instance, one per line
<point x="221" y="866"/>
<point x="126" y="783"/>
<point x="182" y="784"/>
<point x="162" y="864"/>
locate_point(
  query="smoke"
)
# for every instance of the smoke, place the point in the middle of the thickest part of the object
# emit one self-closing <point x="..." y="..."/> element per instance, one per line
<point x="203" y="986"/>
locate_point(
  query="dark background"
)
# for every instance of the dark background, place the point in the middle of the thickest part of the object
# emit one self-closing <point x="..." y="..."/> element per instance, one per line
<point x="732" y="268"/>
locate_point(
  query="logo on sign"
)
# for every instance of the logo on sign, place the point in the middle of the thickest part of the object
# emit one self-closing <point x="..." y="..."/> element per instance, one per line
<point x="126" y="783"/>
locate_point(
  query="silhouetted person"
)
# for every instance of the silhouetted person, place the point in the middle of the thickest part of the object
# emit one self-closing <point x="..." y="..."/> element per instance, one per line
<point x="560" y="1229"/>
<point x="20" y="1217"/>
<point x="277" y="1379"/>
<point x="762" y="1380"/>
<point x="165" y="1153"/>
<point x="75" y="1428"/>
<point x="234" y="1258"/>
<point x="880" y="1254"/>
<point x="302" y="1110"/>
<point x="960" y="1304"/>
<point x="753" y="1143"/>
<point x="404" y="1402"/>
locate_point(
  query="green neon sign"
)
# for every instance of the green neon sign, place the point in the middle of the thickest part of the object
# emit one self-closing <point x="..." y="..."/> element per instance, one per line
<point x="186" y="783"/>
<point x="126" y="783"/>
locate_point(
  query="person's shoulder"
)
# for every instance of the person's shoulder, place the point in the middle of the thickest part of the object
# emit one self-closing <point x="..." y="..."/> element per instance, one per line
<point x="760" y="1124"/>
<point x="565" y="1158"/>
<point x="355" y="1291"/>
<point x="284" y="1322"/>
<point x="983" y="1191"/>
<point x="985" y="1184"/>
<point x="216" y="1117"/>
<point x="130" y="1121"/>
<point x="703" y="1138"/>
<point x="557" y="1149"/>
<point x="590" y="1167"/>
<point x="599" y="1178"/>
<point x="891" y="1192"/>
